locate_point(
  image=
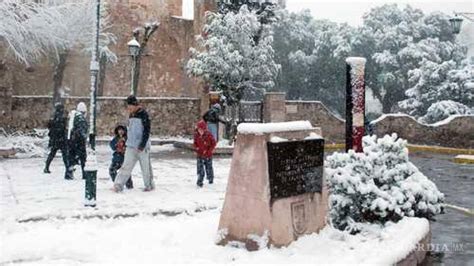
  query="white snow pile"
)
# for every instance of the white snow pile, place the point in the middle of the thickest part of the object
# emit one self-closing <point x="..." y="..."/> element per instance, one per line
<point x="262" y="128"/>
<point x="444" y="109"/>
<point x="276" y="139"/>
<point x="25" y="145"/>
<point x="224" y="143"/>
<point x="378" y="185"/>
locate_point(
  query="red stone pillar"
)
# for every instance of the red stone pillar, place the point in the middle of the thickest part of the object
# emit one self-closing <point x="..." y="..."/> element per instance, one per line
<point x="355" y="102"/>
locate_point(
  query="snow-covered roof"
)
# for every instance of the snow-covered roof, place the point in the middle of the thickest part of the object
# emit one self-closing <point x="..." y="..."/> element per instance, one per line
<point x="258" y="129"/>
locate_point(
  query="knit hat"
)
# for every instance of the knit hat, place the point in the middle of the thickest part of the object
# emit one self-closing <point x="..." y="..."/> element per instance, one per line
<point x="132" y="100"/>
<point x="81" y="107"/>
<point x="202" y="124"/>
<point x="59" y="107"/>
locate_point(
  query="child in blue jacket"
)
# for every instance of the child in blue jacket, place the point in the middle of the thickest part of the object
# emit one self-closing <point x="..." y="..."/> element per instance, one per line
<point x="117" y="144"/>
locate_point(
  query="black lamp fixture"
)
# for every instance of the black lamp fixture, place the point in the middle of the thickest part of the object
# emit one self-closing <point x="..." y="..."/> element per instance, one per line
<point x="456" y="22"/>
<point x="133" y="47"/>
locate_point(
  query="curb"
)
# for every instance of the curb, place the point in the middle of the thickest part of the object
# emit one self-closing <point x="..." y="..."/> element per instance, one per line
<point x="335" y="146"/>
<point x="438" y="149"/>
<point x="342" y="146"/>
<point x="463" y="159"/>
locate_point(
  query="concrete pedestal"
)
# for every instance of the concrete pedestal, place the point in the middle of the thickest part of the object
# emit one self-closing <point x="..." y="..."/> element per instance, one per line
<point x="249" y="212"/>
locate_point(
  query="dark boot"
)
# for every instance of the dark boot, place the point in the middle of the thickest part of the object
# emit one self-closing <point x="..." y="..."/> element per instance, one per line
<point x="129" y="183"/>
<point x="69" y="174"/>
<point x="50" y="158"/>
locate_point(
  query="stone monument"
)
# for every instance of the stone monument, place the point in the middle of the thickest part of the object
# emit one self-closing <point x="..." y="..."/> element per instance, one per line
<point x="276" y="191"/>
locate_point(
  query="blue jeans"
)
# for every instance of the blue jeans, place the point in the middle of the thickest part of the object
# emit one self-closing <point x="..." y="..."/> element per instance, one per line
<point x="213" y="129"/>
<point x="204" y="163"/>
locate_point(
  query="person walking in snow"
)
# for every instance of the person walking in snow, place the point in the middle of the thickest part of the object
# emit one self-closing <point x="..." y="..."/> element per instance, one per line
<point x="212" y="119"/>
<point x="138" y="146"/>
<point x="204" y="145"/>
<point x="57" y="137"/>
<point x="117" y="144"/>
<point x="77" y="139"/>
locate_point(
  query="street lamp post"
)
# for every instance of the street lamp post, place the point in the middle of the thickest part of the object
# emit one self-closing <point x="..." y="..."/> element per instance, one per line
<point x="90" y="168"/>
<point x="136" y="50"/>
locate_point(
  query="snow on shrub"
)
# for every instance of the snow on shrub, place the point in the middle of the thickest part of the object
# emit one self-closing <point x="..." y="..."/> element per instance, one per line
<point x="444" y="109"/>
<point x="378" y="185"/>
<point x="27" y="145"/>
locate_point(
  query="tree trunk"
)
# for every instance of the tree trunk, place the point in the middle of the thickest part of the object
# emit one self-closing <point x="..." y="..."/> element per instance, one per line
<point x="386" y="104"/>
<point x="58" y="75"/>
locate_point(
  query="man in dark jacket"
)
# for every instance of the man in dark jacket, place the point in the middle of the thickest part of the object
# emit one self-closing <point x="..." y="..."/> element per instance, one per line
<point x="212" y="118"/>
<point x="138" y="146"/>
<point x="77" y="139"/>
<point x="57" y="137"/>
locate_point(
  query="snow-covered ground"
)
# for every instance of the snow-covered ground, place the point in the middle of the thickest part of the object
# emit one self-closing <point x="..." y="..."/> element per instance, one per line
<point x="43" y="220"/>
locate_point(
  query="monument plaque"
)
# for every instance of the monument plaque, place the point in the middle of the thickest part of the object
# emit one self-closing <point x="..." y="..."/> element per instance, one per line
<point x="276" y="187"/>
<point x="295" y="167"/>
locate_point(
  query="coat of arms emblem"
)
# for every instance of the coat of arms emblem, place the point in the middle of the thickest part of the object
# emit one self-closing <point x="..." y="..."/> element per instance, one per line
<point x="298" y="218"/>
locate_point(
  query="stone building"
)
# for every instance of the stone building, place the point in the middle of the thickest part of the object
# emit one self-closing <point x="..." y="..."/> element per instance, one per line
<point x="162" y="72"/>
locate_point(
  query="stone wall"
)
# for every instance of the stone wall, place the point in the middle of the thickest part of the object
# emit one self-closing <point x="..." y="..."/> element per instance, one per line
<point x="333" y="128"/>
<point x="170" y="116"/>
<point x="5" y="105"/>
<point x="177" y="116"/>
<point x="456" y="131"/>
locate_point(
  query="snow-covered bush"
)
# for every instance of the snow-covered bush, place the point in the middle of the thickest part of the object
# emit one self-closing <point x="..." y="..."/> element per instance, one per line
<point x="378" y="185"/>
<point x="444" y="109"/>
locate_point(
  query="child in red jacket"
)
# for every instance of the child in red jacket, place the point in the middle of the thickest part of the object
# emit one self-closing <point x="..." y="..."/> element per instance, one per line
<point x="204" y="144"/>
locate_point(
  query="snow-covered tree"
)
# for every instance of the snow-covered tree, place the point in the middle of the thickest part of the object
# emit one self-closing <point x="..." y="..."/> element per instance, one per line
<point x="378" y="185"/>
<point x="403" y="40"/>
<point x="264" y="9"/>
<point x="437" y="84"/>
<point x="231" y="60"/>
<point x="34" y="30"/>
<point x="294" y="42"/>
<point x="21" y="38"/>
<point x="312" y="53"/>
<point x="443" y="109"/>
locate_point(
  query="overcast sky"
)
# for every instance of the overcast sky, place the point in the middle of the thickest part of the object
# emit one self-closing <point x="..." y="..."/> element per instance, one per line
<point x="351" y="11"/>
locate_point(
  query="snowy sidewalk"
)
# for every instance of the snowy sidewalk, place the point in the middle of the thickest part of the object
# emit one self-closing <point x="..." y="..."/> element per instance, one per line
<point x="43" y="221"/>
<point x="28" y="194"/>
